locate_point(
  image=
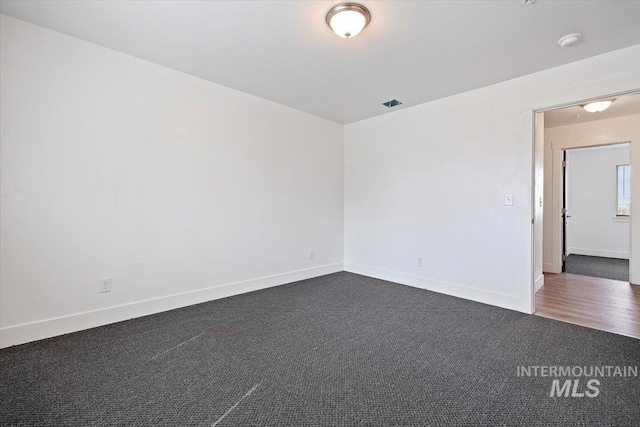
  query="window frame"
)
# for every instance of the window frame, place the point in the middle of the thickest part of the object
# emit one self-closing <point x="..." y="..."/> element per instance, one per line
<point x="618" y="167"/>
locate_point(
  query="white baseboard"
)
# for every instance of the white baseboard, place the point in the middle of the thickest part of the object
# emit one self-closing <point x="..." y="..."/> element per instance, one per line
<point x="20" y="334"/>
<point x="454" y="289"/>
<point x="599" y="252"/>
<point x="538" y="283"/>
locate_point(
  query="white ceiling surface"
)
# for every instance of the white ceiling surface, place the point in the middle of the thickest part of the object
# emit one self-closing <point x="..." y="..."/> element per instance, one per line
<point x="623" y="106"/>
<point x="283" y="50"/>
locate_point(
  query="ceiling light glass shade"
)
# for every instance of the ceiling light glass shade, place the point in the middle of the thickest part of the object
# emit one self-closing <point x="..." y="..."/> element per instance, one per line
<point x="347" y="20"/>
<point x="596" y="107"/>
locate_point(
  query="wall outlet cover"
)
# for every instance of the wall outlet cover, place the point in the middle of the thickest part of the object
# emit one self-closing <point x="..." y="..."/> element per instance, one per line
<point x="105" y="285"/>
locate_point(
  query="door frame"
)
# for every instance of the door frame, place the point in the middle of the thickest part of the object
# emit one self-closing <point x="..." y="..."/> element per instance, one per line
<point x="564" y="210"/>
<point x="619" y="86"/>
<point x="563" y="196"/>
<point x="559" y="154"/>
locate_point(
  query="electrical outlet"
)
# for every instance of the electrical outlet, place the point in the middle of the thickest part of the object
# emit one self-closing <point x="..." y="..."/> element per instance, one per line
<point x="420" y="262"/>
<point x="105" y="285"/>
<point x="312" y="254"/>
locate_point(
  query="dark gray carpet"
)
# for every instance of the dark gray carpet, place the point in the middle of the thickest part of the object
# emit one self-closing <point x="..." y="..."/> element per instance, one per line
<point x="339" y="350"/>
<point x="595" y="266"/>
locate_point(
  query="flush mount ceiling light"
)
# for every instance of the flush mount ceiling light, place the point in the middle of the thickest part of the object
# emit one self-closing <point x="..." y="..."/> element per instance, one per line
<point x="596" y="107"/>
<point x="348" y="19"/>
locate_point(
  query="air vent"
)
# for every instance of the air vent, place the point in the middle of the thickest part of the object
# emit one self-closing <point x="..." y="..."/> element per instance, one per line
<point x="391" y="103"/>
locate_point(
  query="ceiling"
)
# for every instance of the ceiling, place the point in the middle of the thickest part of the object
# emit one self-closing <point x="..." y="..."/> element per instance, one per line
<point x="283" y="50"/>
<point x="623" y="106"/>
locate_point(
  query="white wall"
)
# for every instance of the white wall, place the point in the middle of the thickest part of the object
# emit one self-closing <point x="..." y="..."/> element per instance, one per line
<point x="184" y="191"/>
<point x="588" y="134"/>
<point x="169" y="184"/>
<point x="538" y="201"/>
<point x="593" y="228"/>
<point x="429" y="181"/>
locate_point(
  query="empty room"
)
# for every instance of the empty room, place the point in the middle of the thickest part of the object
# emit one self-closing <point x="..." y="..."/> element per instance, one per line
<point x="319" y="213"/>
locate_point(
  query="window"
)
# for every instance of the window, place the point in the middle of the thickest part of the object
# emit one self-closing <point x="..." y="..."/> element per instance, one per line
<point x="623" y="205"/>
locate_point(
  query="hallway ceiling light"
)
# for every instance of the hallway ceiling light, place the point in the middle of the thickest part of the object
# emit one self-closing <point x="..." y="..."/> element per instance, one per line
<point x="596" y="107"/>
<point x="348" y="19"/>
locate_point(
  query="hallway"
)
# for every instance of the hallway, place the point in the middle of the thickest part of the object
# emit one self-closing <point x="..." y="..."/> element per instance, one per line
<point x="606" y="268"/>
<point x="604" y="304"/>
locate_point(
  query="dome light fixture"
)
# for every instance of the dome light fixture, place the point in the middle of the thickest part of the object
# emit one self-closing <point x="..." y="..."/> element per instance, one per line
<point x="348" y="19"/>
<point x="598" y="106"/>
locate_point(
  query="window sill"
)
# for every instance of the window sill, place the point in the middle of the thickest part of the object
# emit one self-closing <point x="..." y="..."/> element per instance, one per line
<point x="621" y="218"/>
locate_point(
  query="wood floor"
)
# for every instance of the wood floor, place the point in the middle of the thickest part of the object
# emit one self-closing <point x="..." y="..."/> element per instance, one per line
<point x="608" y="305"/>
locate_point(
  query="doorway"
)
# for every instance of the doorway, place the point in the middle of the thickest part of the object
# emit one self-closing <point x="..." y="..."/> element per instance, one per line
<point x="596" y="208"/>
<point x="582" y="269"/>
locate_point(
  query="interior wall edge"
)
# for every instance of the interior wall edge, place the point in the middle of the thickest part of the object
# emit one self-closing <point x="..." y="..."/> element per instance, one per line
<point x="539" y="283"/>
<point x="458" y="290"/>
<point x="21" y="334"/>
